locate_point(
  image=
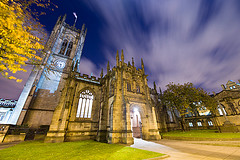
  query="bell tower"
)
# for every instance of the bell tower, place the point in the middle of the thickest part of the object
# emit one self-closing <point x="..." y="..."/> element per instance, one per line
<point x="42" y="92"/>
<point x="65" y="49"/>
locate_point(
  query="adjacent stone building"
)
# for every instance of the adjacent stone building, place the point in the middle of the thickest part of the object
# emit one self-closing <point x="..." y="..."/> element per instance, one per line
<point x="226" y="117"/>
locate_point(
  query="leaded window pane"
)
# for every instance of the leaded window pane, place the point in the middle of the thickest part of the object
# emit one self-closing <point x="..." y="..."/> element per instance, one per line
<point x="63" y="47"/>
<point x="69" y="49"/>
<point x="85" y="105"/>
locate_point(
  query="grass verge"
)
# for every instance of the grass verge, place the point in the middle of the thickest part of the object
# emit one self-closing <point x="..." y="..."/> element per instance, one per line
<point x="201" y="135"/>
<point x="74" y="150"/>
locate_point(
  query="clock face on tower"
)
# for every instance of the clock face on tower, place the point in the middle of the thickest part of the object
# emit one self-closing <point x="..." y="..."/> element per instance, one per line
<point x="59" y="64"/>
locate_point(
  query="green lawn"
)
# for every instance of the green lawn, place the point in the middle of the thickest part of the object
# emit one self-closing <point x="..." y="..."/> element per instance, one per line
<point x="73" y="150"/>
<point x="205" y="134"/>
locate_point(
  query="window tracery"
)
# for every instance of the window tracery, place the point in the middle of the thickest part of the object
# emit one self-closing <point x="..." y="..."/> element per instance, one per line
<point x="128" y="86"/>
<point x="63" y="47"/>
<point x="85" y="102"/>
<point x="69" y="49"/>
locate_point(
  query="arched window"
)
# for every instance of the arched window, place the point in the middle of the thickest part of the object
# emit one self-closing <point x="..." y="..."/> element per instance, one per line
<point x="210" y="123"/>
<point x="231" y="106"/>
<point x="199" y="124"/>
<point x="128" y="86"/>
<point x="138" y="88"/>
<point x="170" y="116"/>
<point x="85" y="105"/>
<point x="190" y="124"/>
<point x="64" y="46"/>
<point x="69" y="49"/>
<point x="220" y="110"/>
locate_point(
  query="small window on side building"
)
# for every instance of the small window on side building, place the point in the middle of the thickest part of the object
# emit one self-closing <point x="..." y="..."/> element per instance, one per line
<point x="210" y="123"/>
<point x="199" y="124"/>
<point x="190" y="124"/>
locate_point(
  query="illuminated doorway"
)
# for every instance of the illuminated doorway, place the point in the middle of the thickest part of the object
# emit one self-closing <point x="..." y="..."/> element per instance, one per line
<point x="136" y="123"/>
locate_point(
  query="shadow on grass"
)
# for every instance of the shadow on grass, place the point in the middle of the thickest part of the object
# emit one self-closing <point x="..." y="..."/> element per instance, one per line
<point x="88" y="149"/>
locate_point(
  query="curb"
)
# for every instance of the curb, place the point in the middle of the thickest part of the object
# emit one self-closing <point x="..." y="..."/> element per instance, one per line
<point x="156" y="158"/>
<point x="200" y="139"/>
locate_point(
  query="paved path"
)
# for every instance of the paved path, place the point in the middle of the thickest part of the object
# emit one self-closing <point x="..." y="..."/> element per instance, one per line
<point x="188" y="150"/>
<point x="6" y="145"/>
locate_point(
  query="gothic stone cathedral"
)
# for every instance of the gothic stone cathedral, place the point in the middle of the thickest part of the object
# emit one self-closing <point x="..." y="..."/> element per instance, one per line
<point x="64" y="105"/>
<point x="113" y="108"/>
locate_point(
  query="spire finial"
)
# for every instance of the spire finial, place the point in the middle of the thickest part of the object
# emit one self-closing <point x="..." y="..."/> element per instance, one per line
<point x="154" y="84"/>
<point x="108" y="67"/>
<point x="101" y="75"/>
<point x="122" y="57"/>
<point x="83" y="27"/>
<point x="160" y="90"/>
<point x="117" y="58"/>
<point x="142" y="65"/>
<point x="132" y="62"/>
<point x="214" y="93"/>
<point x="76" y="66"/>
<point x="64" y="17"/>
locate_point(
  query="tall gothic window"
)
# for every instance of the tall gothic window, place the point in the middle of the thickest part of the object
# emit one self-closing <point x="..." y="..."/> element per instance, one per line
<point x="128" y="86"/>
<point x="69" y="49"/>
<point x="111" y="91"/>
<point x="220" y="110"/>
<point x="85" y="105"/>
<point x="170" y="116"/>
<point x="64" y="46"/>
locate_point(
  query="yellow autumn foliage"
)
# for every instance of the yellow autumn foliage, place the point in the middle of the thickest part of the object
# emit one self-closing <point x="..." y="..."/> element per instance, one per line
<point x="19" y="43"/>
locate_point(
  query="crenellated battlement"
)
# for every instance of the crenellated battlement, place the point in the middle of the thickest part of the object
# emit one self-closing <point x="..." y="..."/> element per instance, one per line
<point x="87" y="78"/>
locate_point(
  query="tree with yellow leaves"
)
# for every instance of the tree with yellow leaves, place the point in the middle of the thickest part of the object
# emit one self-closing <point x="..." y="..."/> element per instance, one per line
<point x="21" y="36"/>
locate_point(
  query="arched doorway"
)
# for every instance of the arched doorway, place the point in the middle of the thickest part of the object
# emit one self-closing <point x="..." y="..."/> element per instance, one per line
<point x="136" y="122"/>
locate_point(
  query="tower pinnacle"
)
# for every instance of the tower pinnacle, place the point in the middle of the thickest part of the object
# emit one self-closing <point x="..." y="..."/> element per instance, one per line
<point x="142" y="64"/>
<point x="117" y="58"/>
<point x="122" y="57"/>
<point x="101" y="75"/>
<point x="108" y="67"/>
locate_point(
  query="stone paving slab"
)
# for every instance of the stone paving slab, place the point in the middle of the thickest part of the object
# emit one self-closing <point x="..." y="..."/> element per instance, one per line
<point x="187" y="150"/>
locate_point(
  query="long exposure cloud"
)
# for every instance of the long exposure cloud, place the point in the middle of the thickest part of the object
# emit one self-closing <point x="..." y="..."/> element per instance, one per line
<point x="179" y="40"/>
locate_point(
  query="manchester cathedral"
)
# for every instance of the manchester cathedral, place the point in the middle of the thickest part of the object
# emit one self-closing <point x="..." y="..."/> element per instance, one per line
<point x="61" y="104"/>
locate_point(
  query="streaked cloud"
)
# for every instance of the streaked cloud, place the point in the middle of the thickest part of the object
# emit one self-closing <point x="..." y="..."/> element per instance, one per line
<point x="179" y="40"/>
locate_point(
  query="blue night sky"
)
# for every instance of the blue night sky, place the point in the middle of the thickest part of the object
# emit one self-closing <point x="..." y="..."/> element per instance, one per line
<point x="180" y="41"/>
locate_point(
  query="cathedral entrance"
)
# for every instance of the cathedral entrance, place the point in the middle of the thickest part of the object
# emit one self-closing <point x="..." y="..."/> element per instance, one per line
<point x="136" y="123"/>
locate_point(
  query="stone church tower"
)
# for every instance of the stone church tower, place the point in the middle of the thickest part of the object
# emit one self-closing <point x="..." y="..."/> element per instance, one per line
<point x="126" y="108"/>
<point x="42" y="91"/>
